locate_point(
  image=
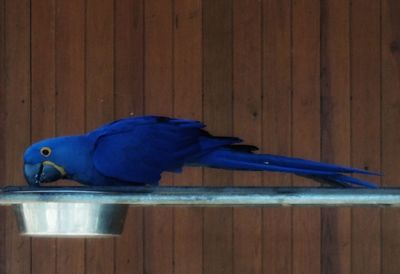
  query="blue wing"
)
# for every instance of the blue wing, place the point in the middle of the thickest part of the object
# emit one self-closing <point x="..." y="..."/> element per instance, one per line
<point x="139" y="149"/>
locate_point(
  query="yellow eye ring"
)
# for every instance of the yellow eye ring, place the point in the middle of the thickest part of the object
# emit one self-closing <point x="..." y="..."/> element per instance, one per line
<point x="45" y="151"/>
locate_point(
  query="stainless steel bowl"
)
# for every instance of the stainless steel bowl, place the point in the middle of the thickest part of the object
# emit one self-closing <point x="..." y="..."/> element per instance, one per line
<point x="70" y="219"/>
<point x="46" y="216"/>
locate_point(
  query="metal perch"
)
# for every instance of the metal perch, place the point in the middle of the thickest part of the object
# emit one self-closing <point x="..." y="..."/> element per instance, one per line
<point x="204" y="196"/>
<point x="88" y="212"/>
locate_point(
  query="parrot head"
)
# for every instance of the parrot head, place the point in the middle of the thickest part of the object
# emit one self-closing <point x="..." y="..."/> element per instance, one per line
<point x="53" y="159"/>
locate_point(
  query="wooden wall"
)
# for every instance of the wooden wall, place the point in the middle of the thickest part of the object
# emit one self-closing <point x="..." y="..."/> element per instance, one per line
<point x="315" y="79"/>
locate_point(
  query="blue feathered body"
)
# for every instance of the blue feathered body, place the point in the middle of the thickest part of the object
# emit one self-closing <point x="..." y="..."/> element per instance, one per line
<point x="137" y="150"/>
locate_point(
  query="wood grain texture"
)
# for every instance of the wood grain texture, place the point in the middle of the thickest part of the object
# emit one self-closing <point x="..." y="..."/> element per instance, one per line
<point x="3" y="138"/>
<point x="129" y="100"/>
<point x="17" y="126"/>
<point x="158" y="74"/>
<point x="43" y="112"/>
<point x="247" y="114"/>
<point x="188" y="222"/>
<point x="99" y="253"/>
<point x="276" y="128"/>
<point x="365" y="133"/>
<point x="390" y="131"/>
<point x="335" y="127"/>
<point x="70" y="105"/>
<point x="99" y="63"/>
<point x="217" y="114"/>
<point x="306" y="127"/>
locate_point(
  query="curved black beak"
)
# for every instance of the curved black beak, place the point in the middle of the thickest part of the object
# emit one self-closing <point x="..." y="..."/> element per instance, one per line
<point x="35" y="174"/>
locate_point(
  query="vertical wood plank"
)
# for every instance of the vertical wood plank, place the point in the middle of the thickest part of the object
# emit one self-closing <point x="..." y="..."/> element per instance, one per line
<point x="70" y="110"/>
<point x="17" y="124"/>
<point x="99" y="62"/>
<point x="217" y="99"/>
<point x="247" y="115"/>
<point x="188" y="222"/>
<point x="70" y="66"/>
<point x="277" y="226"/>
<point x="129" y="59"/>
<point x="306" y="127"/>
<point x="365" y="133"/>
<point x="43" y="106"/>
<point x="158" y="222"/>
<point x="129" y="99"/>
<point x="335" y="127"/>
<point x="99" y="104"/>
<point x="2" y="133"/>
<point x="390" y="131"/>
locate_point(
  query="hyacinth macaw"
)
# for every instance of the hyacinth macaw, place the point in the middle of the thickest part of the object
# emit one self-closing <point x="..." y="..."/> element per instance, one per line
<point x="135" y="151"/>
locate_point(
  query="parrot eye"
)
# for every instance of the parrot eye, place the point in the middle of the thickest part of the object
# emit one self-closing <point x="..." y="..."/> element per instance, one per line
<point x="45" y="151"/>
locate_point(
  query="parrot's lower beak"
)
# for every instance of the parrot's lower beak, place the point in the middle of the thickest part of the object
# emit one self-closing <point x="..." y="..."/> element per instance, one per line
<point x="45" y="172"/>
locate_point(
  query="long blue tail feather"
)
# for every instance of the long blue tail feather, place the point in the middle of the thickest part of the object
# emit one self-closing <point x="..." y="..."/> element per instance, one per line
<point x="229" y="158"/>
<point x="352" y="181"/>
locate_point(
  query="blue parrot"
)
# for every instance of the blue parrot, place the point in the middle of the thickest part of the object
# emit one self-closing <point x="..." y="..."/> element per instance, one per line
<point x="135" y="151"/>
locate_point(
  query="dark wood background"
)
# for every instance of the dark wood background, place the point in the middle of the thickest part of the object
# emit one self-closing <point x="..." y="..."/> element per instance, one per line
<point x="315" y="79"/>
